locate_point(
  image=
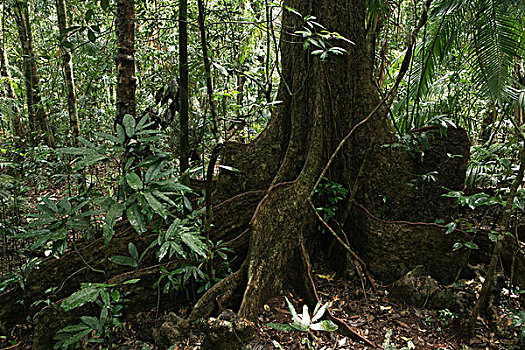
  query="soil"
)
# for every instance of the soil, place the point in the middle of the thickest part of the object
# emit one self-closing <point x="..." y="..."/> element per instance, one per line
<point x="371" y="316"/>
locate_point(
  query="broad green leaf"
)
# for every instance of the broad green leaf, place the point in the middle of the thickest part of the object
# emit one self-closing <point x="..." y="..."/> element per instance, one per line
<point x="153" y="171"/>
<point x="115" y="295"/>
<point x="194" y="243"/>
<point x="171" y="185"/>
<point x="132" y="281"/>
<point x="76" y="338"/>
<point x="319" y="312"/>
<point x="129" y="124"/>
<point x="104" y="4"/>
<point x="165" y="198"/>
<point x="325" y="325"/>
<point x="133" y="251"/>
<point x="134" y="181"/>
<point x="142" y="123"/>
<point x="87" y="143"/>
<point x="123" y="260"/>
<point x="89" y="15"/>
<point x="157" y="206"/>
<point x="107" y="232"/>
<point x="187" y="203"/>
<point x="107" y="136"/>
<point x="91" y="159"/>
<point x="79" y="298"/>
<point x="175" y="229"/>
<point x="50" y="204"/>
<point x="91" y="35"/>
<point x="177" y="249"/>
<point x="164" y="249"/>
<point x="114" y="212"/>
<point x="471" y="245"/>
<point x="67" y="44"/>
<point x="283" y="327"/>
<point x="450" y="227"/>
<point x="291" y="309"/>
<point x="121" y="136"/>
<point x="129" y="163"/>
<point x="300" y="326"/>
<point x="150" y="160"/>
<point x="73" y="328"/>
<point x="305" y="319"/>
<point x="457" y="246"/>
<point x="46" y="211"/>
<point x="74" y="150"/>
<point x="92" y="322"/>
<point x="104" y="315"/>
<point x="136" y="219"/>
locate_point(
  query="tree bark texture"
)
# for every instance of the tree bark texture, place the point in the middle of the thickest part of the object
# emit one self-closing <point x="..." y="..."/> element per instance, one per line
<point x="125" y="59"/>
<point x="67" y="66"/>
<point x="321" y="103"/>
<point x="184" y="144"/>
<point x="38" y="121"/>
<point x="207" y="66"/>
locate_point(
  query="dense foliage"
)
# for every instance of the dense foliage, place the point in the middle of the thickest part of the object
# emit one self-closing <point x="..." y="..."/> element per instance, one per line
<point x="467" y="71"/>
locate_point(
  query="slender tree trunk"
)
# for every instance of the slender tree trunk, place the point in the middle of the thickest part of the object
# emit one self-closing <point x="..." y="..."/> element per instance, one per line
<point x="14" y="117"/>
<point x="184" y="82"/>
<point x="125" y="59"/>
<point x="38" y="121"/>
<point x="504" y="226"/>
<point x="207" y="67"/>
<point x="69" y="78"/>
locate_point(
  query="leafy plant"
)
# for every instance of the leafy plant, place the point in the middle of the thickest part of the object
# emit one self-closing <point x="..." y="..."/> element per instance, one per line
<point x="56" y="220"/>
<point x="315" y="35"/>
<point x="420" y="181"/>
<point x="388" y="345"/>
<point x="99" y="329"/>
<point x="330" y="194"/>
<point x="303" y="322"/>
<point x="447" y="316"/>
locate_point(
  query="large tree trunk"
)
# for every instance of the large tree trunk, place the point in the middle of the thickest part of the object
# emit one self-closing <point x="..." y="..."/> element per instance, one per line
<point x="321" y="103"/>
<point x="38" y="121"/>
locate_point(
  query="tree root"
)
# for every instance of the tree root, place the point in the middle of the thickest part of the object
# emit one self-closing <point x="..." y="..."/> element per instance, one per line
<point x="225" y="294"/>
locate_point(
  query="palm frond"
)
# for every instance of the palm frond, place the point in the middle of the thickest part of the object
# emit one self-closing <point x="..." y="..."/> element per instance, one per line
<point x="496" y="40"/>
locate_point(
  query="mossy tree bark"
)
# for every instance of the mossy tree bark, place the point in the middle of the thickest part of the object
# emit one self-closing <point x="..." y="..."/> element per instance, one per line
<point x="125" y="59"/>
<point x="321" y="102"/>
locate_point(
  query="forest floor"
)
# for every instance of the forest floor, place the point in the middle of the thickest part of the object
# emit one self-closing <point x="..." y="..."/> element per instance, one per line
<point x="389" y="324"/>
